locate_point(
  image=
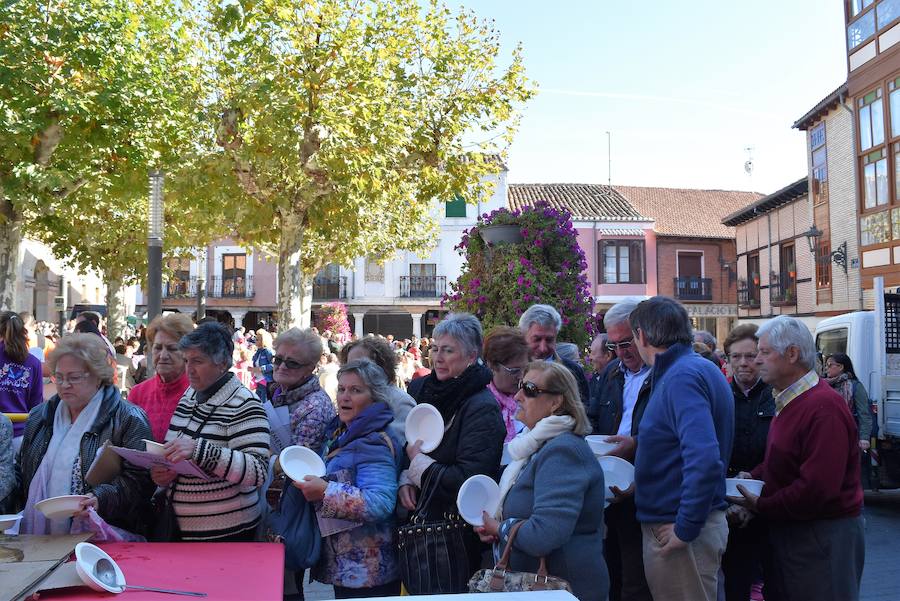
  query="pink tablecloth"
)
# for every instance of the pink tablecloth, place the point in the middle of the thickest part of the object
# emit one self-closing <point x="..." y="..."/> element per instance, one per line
<point x="224" y="571"/>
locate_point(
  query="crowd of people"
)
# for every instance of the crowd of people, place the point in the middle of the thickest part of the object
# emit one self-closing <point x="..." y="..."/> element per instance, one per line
<point x="517" y="405"/>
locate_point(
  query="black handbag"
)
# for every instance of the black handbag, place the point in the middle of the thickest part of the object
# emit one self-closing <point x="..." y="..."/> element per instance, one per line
<point x="165" y="522"/>
<point x="434" y="555"/>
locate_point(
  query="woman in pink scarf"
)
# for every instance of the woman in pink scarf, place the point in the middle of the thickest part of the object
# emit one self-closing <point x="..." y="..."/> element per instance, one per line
<point x="506" y="354"/>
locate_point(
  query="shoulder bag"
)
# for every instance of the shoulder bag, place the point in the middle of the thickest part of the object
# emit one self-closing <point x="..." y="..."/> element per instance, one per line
<point x="501" y="580"/>
<point x="434" y="555"/>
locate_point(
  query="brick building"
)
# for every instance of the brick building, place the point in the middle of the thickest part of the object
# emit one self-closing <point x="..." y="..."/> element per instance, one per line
<point x="695" y="251"/>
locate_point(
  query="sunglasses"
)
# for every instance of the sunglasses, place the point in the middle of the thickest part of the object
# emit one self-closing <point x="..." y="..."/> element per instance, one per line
<point x="532" y="391"/>
<point x="278" y="360"/>
<point x="620" y="345"/>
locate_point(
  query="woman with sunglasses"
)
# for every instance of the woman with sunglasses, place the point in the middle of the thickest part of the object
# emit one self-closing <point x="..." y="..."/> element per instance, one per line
<point x="63" y="436"/>
<point x="506" y="354"/>
<point x="472" y="444"/>
<point x="553" y="490"/>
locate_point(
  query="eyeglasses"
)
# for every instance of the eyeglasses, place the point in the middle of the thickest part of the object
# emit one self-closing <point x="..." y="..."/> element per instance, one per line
<point x="736" y="357"/>
<point x="620" y="345"/>
<point x="72" y="379"/>
<point x="531" y="390"/>
<point x="513" y="371"/>
<point x="278" y="360"/>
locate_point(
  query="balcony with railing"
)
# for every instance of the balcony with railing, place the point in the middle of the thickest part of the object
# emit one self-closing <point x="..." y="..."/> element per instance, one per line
<point x="422" y="286"/>
<point x="230" y="287"/>
<point x="783" y="290"/>
<point x="748" y="294"/>
<point x="180" y="288"/>
<point x="693" y="289"/>
<point x="329" y="288"/>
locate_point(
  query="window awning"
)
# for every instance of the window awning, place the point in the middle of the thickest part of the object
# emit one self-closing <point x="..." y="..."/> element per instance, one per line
<point x="621" y="231"/>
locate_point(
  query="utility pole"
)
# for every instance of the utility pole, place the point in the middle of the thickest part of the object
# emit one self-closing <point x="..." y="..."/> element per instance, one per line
<point x="154" y="252"/>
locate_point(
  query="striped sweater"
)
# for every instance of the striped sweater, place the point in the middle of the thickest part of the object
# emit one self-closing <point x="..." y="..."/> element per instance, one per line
<point x="232" y="434"/>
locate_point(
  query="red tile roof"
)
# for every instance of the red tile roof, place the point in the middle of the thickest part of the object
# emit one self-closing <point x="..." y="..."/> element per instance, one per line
<point x="590" y="202"/>
<point x="688" y="213"/>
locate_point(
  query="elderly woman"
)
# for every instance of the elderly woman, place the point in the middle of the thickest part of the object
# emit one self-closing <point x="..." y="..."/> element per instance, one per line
<point x="379" y="350"/>
<point x="63" y="435"/>
<point x="553" y="490"/>
<point x="472" y="442"/>
<point x="222" y="427"/>
<point x="159" y="395"/>
<point x="362" y="462"/>
<point x="506" y="354"/>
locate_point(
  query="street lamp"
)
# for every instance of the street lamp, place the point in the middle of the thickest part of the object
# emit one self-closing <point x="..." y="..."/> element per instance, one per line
<point x="201" y="284"/>
<point x="154" y="245"/>
<point x="838" y="255"/>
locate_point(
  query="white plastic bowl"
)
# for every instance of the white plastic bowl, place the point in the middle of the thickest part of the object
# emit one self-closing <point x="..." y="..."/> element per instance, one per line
<point x="477" y="494"/>
<point x="753" y="486"/>
<point x="86" y="558"/>
<point x="616" y="472"/>
<point x="57" y="508"/>
<point x="155" y="447"/>
<point x="298" y="462"/>
<point x="598" y="446"/>
<point x="424" y="422"/>
<point x="8" y="521"/>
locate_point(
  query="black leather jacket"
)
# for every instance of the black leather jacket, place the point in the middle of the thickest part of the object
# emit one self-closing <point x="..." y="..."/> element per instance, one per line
<point x="122" y="502"/>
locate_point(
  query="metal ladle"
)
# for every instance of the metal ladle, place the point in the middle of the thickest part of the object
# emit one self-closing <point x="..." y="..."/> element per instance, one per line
<point x="105" y="572"/>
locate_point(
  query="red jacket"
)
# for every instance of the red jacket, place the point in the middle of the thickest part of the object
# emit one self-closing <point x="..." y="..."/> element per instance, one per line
<point x="811" y="468"/>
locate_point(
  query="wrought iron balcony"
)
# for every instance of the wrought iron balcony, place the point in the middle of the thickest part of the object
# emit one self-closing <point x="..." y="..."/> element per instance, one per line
<point x="422" y="286"/>
<point x="783" y="290"/>
<point x="180" y="288"/>
<point x="329" y="288"/>
<point x="693" y="289"/>
<point x="230" y="287"/>
<point x="748" y="294"/>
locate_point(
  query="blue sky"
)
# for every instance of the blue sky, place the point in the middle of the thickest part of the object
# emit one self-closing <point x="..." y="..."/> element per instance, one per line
<point x="684" y="87"/>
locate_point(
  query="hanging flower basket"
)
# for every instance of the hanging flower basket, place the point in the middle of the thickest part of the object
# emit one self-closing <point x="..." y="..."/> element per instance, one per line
<point x="507" y="233"/>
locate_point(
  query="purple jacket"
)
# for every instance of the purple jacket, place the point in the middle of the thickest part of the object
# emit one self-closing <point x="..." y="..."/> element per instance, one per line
<point x="21" y="386"/>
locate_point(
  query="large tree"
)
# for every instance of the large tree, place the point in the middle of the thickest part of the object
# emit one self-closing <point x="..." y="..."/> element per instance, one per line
<point x="93" y="94"/>
<point x="343" y="121"/>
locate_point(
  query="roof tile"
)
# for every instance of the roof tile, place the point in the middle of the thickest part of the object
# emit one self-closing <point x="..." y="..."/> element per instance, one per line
<point x="583" y="201"/>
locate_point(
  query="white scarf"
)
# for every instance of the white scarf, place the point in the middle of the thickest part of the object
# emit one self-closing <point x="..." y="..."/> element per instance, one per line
<point x="526" y="444"/>
<point x="54" y="476"/>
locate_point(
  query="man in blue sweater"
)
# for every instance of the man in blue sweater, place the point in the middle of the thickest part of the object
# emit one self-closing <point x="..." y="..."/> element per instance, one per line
<point x="683" y="449"/>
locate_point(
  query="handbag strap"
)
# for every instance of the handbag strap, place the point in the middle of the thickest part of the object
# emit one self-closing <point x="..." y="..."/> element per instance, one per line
<point x="432" y="480"/>
<point x="507" y="551"/>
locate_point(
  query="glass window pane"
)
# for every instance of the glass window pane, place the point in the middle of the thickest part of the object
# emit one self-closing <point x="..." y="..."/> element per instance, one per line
<point x="874" y="228"/>
<point x="888" y="10"/>
<point x="896" y="171"/>
<point x="877" y="122"/>
<point x="865" y="128"/>
<point x="895" y="223"/>
<point x="818" y="157"/>
<point x="881" y="182"/>
<point x="869" y="185"/>
<point x="609" y="269"/>
<point x="861" y="30"/>
<point x="623" y="264"/>
<point x="895" y="112"/>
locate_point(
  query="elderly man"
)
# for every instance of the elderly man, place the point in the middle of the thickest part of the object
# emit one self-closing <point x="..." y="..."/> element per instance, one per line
<point x="541" y="324"/>
<point x="685" y="444"/>
<point x="616" y="410"/>
<point x="812" y="496"/>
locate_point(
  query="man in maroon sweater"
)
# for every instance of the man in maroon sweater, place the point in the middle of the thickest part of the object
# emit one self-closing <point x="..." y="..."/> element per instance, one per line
<point x="812" y="496"/>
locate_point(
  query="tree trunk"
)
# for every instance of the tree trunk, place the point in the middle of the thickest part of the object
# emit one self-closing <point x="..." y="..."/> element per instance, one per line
<point x="115" y="307"/>
<point x="10" y="241"/>
<point x="294" y="287"/>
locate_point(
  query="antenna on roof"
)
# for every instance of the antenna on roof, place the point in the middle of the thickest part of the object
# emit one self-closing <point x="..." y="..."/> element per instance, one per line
<point x="748" y="164"/>
<point x="609" y="157"/>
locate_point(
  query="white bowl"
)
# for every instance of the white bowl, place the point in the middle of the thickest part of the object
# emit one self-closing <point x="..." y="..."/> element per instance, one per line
<point x="477" y="494"/>
<point x="86" y="558"/>
<point x="753" y="486"/>
<point x="155" y="447"/>
<point x="616" y="472"/>
<point x="424" y="422"/>
<point x="598" y="446"/>
<point x="298" y="462"/>
<point x="57" y="508"/>
<point x="8" y="521"/>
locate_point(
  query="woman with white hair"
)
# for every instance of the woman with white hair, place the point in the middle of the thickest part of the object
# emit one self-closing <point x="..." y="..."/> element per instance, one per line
<point x="472" y="444"/>
<point x="63" y="436"/>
